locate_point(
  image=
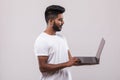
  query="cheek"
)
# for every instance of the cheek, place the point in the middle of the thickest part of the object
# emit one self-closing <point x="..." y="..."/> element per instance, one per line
<point x="60" y="23"/>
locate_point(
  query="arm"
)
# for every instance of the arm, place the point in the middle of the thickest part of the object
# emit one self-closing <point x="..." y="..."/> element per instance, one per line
<point x="69" y="54"/>
<point x="45" y="67"/>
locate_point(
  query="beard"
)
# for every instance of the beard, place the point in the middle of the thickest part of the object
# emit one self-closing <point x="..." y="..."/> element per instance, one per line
<point x="57" y="28"/>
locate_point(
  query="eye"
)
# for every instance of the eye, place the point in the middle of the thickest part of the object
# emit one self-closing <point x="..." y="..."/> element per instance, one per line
<point x="60" y="19"/>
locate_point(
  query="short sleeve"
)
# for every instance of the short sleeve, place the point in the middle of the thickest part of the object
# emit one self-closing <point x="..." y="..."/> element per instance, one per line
<point x="41" y="47"/>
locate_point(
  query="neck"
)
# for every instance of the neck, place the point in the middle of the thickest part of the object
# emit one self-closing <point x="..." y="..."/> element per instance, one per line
<point x="50" y="31"/>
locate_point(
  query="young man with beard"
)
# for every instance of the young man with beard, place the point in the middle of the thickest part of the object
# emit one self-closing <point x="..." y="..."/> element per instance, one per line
<point x="51" y="48"/>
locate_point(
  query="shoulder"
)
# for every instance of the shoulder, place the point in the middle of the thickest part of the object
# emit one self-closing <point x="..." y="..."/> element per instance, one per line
<point x="40" y="39"/>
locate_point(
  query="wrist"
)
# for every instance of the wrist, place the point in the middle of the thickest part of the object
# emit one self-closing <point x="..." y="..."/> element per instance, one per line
<point x="66" y="64"/>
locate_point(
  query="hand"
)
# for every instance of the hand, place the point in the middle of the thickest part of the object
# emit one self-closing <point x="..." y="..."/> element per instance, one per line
<point x="78" y="62"/>
<point x="73" y="61"/>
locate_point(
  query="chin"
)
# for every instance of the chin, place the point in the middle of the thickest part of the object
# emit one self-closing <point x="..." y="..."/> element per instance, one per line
<point x="60" y="29"/>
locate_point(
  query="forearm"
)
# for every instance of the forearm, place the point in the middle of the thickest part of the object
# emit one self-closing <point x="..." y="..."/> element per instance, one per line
<point x="52" y="67"/>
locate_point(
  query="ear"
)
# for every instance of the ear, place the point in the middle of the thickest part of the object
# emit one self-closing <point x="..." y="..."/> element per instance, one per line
<point x="51" y="21"/>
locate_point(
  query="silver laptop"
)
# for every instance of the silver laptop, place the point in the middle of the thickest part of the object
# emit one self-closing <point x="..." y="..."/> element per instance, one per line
<point x="92" y="60"/>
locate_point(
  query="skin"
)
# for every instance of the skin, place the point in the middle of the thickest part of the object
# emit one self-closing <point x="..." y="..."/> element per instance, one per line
<point x="43" y="65"/>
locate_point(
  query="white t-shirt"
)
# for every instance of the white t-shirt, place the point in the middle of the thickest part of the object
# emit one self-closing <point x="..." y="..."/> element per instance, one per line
<point x="56" y="48"/>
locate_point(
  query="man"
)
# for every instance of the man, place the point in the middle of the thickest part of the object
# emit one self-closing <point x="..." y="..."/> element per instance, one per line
<point x="51" y="48"/>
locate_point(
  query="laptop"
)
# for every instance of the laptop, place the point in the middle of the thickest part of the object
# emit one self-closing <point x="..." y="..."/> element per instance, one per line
<point x="92" y="60"/>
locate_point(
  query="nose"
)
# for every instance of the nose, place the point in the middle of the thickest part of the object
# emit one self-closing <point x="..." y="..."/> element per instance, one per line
<point x="62" y="22"/>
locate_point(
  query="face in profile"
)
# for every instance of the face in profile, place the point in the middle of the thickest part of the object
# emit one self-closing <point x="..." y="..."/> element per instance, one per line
<point x="58" y="22"/>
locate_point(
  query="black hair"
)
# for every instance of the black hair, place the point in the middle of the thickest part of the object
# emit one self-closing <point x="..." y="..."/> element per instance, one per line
<point x="52" y="12"/>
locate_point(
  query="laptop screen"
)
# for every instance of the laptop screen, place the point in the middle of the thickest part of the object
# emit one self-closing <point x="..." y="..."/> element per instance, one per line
<point x="100" y="48"/>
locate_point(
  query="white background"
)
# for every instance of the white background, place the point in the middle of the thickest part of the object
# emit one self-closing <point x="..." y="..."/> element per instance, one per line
<point x="86" y="22"/>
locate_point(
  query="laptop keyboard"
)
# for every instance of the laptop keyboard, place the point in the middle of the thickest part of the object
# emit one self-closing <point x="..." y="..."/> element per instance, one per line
<point x="88" y="60"/>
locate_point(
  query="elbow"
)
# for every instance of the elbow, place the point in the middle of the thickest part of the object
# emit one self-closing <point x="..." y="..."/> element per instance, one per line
<point x="42" y="69"/>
